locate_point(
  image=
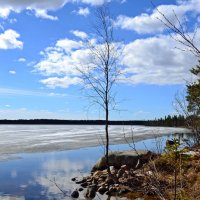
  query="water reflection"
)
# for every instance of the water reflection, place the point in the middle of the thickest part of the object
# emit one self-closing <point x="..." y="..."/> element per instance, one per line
<point x="11" y="198"/>
<point x="55" y="177"/>
<point x="45" y="175"/>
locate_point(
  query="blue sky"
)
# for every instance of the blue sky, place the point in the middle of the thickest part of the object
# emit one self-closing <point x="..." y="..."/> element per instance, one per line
<point x="42" y="42"/>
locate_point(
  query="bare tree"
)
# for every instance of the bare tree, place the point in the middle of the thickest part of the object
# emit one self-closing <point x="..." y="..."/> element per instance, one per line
<point x="178" y="30"/>
<point x="102" y="71"/>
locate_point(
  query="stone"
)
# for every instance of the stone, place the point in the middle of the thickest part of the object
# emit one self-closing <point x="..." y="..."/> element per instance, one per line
<point x="85" y="184"/>
<point x="120" y="158"/>
<point x="80" y="189"/>
<point x="75" y="194"/>
<point x="120" y="173"/>
<point x="124" y="167"/>
<point x="97" y="173"/>
<point x="125" y="175"/>
<point x="123" y="191"/>
<point x="81" y="181"/>
<point x="102" y="190"/>
<point x="74" y="179"/>
<point x="90" y="193"/>
<point x="112" y="168"/>
<point x="109" y="181"/>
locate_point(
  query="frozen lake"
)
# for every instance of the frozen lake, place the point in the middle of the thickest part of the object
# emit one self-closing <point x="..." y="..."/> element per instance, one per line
<point x="39" y="138"/>
<point x="31" y="160"/>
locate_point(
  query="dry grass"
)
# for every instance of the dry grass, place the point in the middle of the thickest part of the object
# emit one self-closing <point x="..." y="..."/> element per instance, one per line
<point x="188" y="176"/>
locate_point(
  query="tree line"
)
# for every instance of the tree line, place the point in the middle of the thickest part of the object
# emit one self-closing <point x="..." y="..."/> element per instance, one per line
<point x="172" y="121"/>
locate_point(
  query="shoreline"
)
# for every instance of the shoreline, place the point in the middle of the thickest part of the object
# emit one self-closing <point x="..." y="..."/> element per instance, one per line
<point x="16" y="139"/>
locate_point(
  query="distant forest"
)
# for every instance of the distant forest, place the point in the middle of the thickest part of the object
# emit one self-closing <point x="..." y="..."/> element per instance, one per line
<point x="170" y="121"/>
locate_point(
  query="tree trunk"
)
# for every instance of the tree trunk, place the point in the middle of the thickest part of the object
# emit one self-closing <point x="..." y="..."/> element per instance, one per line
<point x="107" y="139"/>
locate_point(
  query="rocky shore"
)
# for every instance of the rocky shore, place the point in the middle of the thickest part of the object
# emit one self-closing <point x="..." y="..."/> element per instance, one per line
<point x="125" y="175"/>
<point x="144" y="175"/>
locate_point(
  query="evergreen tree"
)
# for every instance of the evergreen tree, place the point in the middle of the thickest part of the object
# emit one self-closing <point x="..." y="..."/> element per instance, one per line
<point x="193" y="98"/>
<point x="193" y="92"/>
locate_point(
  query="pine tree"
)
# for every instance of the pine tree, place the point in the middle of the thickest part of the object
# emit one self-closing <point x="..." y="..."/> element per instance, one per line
<point x="193" y="99"/>
<point x="193" y="92"/>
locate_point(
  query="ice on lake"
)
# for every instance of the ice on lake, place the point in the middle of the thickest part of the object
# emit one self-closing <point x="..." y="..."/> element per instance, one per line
<point x="39" y="138"/>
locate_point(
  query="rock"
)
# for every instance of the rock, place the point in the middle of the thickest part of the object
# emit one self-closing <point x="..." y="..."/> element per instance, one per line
<point x="123" y="191"/>
<point x="80" y="189"/>
<point x="102" y="190"/>
<point x="121" y="158"/>
<point x="94" y="186"/>
<point x="74" y="179"/>
<point x="90" y="193"/>
<point x="170" y="142"/>
<point x="109" y="181"/>
<point x="81" y="181"/>
<point x="97" y="173"/>
<point x="122" y="180"/>
<point x="120" y="173"/>
<point x="124" y="167"/>
<point x="112" y="190"/>
<point x="75" y="194"/>
<point x="125" y="175"/>
<point x="84" y="184"/>
<point x="112" y="168"/>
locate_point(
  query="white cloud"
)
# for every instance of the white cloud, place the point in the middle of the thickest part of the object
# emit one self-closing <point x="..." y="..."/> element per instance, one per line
<point x="94" y="2"/>
<point x="40" y="8"/>
<point x="9" y="40"/>
<point x="149" y="23"/>
<point x="8" y="106"/>
<point x="68" y="44"/>
<point x="156" y="61"/>
<point x="65" y="82"/>
<point x="83" y="11"/>
<point x="62" y="59"/>
<point x="12" y="72"/>
<point x="79" y="34"/>
<point x="21" y="92"/>
<point x="43" y="14"/>
<point x="153" y="60"/>
<point x="10" y="197"/>
<point x="22" y="60"/>
<point x="5" y="11"/>
<point x="58" y="170"/>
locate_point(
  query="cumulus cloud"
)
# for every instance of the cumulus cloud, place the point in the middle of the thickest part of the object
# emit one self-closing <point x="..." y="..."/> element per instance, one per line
<point x="94" y="2"/>
<point x="65" y="82"/>
<point x="155" y="61"/>
<point x="12" y="72"/>
<point x="63" y="59"/>
<point x="79" y="34"/>
<point x="40" y="8"/>
<point x="149" y="23"/>
<point x="22" y="60"/>
<point x="43" y="14"/>
<point x="9" y="40"/>
<point x="83" y="11"/>
<point x="68" y="44"/>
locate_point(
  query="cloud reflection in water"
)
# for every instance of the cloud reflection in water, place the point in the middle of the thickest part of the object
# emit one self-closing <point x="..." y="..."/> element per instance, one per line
<point x="57" y="174"/>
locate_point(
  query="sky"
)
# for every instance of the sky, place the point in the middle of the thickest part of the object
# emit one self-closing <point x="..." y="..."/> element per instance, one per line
<point x="42" y="42"/>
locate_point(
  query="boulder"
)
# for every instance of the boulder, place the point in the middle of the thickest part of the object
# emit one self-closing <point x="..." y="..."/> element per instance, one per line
<point x="90" y="193"/>
<point x="75" y="194"/>
<point x="130" y="159"/>
<point x="102" y="190"/>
